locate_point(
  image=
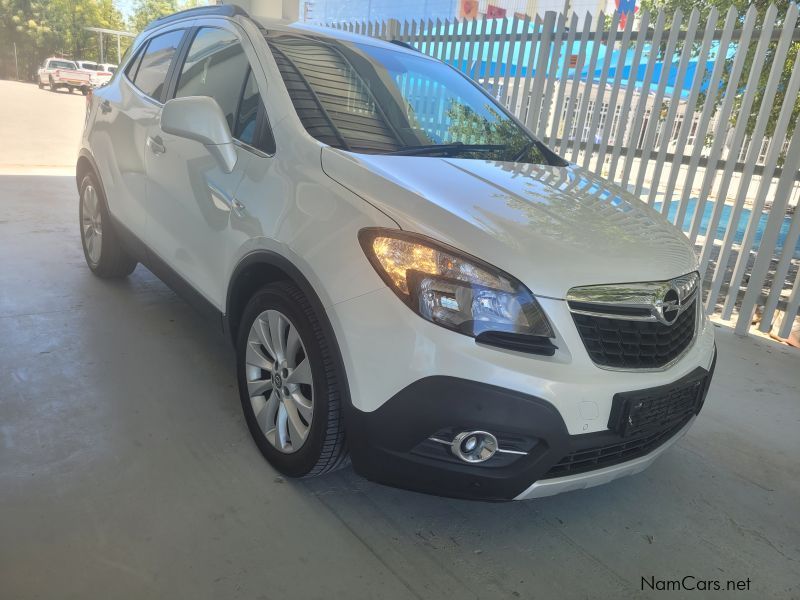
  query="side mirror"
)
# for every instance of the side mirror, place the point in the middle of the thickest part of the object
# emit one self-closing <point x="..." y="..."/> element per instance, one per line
<point x="200" y="118"/>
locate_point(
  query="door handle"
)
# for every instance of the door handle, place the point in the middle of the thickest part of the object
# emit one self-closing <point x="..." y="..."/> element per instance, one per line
<point x="105" y="107"/>
<point x="156" y="145"/>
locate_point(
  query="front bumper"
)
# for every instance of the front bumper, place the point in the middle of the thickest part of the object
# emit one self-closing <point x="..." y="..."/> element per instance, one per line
<point x="395" y="444"/>
<point x="410" y="380"/>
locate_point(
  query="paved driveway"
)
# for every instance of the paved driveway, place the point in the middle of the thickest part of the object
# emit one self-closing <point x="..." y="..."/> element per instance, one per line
<point x="40" y="130"/>
<point x="126" y="470"/>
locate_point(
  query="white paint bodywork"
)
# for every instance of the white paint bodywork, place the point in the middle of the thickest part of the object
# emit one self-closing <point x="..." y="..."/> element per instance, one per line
<point x="553" y="228"/>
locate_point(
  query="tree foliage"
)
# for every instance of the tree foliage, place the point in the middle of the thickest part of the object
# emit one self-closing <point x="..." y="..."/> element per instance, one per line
<point x="42" y="28"/>
<point x="763" y="64"/>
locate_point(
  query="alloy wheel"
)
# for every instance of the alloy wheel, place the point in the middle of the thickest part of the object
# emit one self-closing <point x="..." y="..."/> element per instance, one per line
<point x="279" y="381"/>
<point x="92" y="224"/>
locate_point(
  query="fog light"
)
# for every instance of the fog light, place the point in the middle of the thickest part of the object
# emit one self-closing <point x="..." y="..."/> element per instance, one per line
<point x="474" y="446"/>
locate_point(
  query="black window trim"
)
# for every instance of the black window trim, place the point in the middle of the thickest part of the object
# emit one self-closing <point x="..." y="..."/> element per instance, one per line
<point x="174" y="75"/>
<point x="170" y="72"/>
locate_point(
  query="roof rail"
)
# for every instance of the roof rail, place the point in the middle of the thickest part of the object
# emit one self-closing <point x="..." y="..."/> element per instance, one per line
<point x="222" y="10"/>
<point x="404" y="45"/>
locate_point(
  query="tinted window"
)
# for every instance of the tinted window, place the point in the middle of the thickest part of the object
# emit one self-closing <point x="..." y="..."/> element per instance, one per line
<point x="215" y="66"/>
<point x="367" y="98"/>
<point x="61" y="64"/>
<point x="154" y="64"/>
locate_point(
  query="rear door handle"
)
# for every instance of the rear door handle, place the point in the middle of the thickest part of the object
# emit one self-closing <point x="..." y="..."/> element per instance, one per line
<point x="156" y="145"/>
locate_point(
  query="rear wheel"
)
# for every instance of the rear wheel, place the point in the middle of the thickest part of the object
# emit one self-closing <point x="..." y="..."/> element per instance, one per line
<point x="288" y="383"/>
<point x="39" y="81"/>
<point x="104" y="253"/>
<point x="84" y="90"/>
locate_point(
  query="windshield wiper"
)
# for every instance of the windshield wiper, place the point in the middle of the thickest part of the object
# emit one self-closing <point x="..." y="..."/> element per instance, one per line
<point x="447" y="149"/>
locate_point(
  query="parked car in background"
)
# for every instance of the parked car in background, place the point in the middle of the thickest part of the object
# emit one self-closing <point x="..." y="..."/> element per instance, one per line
<point x="110" y="67"/>
<point x="62" y="73"/>
<point x="98" y="74"/>
<point x="408" y="275"/>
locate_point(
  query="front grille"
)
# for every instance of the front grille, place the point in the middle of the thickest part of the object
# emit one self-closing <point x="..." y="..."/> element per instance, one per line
<point x="612" y="454"/>
<point x="626" y="344"/>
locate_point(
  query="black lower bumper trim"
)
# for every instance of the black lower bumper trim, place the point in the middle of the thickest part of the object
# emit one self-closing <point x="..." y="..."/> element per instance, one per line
<point x="390" y="445"/>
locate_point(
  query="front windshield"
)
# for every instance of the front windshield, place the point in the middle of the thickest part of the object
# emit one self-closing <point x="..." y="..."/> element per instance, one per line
<point x="365" y="98"/>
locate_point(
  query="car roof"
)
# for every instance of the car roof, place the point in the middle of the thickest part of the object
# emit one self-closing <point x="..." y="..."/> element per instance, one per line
<point x="234" y="12"/>
<point x="329" y="33"/>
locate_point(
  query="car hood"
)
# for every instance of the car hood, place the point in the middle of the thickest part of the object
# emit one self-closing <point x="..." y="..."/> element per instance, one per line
<point x="553" y="228"/>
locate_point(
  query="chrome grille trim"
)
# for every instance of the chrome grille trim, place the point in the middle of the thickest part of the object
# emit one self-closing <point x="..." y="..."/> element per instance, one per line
<point x="645" y="302"/>
<point x="632" y="301"/>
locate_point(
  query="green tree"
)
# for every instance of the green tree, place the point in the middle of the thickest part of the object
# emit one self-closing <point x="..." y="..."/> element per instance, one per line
<point x="762" y="63"/>
<point x="68" y="20"/>
<point x="146" y="10"/>
<point x="22" y="26"/>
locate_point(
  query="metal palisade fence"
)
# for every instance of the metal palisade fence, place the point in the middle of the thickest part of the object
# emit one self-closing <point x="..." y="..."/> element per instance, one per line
<point x="694" y="115"/>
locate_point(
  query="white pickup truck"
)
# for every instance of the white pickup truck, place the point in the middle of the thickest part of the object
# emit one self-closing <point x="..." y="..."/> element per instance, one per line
<point x="59" y="72"/>
<point x="98" y="73"/>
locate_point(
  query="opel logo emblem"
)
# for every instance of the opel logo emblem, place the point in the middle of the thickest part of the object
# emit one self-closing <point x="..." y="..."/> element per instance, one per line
<point x="276" y="380"/>
<point x="669" y="307"/>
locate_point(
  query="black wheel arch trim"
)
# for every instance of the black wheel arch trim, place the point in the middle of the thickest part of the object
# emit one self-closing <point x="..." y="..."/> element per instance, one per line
<point x="84" y="153"/>
<point x="279" y="261"/>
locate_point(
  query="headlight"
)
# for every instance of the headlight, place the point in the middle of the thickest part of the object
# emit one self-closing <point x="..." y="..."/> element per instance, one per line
<point x="453" y="290"/>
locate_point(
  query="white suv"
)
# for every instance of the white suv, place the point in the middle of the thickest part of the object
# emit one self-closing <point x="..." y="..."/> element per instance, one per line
<point x="409" y="277"/>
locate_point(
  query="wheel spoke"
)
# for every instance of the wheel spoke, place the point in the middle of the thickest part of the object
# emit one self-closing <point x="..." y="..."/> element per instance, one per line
<point x="277" y="329"/>
<point x="281" y="425"/>
<point x="266" y="415"/>
<point x="303" y="405"/>
<point x="262" y="329"/>
<point x="259" y="387"/>
<point x="293" y="344"/>
<point x="297" y="430"/>
<point x="301" y="373"/>
<point x="256" y="357"/>
<point x="92" y="197"/>
<point x="90" y="245"/>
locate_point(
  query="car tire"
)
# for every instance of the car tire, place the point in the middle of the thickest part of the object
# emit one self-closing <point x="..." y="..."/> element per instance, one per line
<point x="52" y="84"/>
<point x="84" y="91"/>
<point x="102" y="248"/>
<point x="296" y="440"/>
<point x="39" y="81"/>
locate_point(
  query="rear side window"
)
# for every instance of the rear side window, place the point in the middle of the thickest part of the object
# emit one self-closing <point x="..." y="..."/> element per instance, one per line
<point x="148" y="72"/>
<point x="216" y="66"/>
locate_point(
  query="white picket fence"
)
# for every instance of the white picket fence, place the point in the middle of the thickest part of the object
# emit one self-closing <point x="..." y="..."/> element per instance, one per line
<point x="662" y="109"/>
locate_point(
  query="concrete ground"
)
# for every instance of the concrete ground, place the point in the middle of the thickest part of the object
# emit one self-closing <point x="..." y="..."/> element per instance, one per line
<point x="126" y="469"/>
<point x="40" y="130"/>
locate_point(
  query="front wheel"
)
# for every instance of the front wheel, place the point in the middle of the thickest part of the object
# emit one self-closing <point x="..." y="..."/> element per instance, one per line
<point x="288" y="383"/>
<point x="103" y="250"/>
<point x="39" y="81"/>
<point x="52" y="84"/>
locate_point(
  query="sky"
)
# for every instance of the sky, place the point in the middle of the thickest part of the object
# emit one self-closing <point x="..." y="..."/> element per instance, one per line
<point x="125" y="7"/>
